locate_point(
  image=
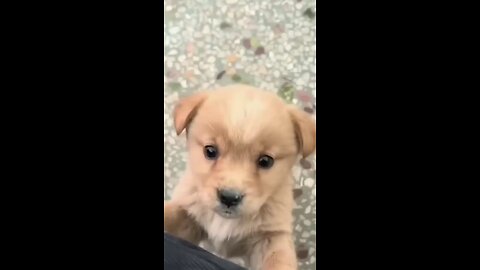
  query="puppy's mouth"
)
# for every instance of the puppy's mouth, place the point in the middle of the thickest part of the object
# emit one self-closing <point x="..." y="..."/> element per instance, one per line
<point x="227" y="212"/>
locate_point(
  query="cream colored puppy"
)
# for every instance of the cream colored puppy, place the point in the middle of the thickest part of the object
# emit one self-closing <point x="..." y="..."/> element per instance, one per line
<point x="236" y="195"/>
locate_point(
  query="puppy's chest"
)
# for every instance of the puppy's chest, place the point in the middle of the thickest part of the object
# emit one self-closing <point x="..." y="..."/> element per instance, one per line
<point x="228" y="237"/>
<point x="231" y="248"/>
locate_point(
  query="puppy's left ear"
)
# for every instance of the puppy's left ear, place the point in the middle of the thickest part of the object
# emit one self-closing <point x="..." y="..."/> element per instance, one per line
<point x="185" y="110"/>
<point x="305" y="131"/>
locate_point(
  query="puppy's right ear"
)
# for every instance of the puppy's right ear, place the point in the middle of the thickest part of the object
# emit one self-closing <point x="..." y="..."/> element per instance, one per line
<point x="305" y="131"/>
<point x="186" y="109"/>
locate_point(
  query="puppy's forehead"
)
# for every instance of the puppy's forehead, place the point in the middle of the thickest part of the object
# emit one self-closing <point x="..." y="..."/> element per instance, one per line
<point x="245" y="115"/>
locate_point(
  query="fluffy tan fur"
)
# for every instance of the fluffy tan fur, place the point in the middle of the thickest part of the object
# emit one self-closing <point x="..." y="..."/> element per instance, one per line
<point x="244" y="123"/>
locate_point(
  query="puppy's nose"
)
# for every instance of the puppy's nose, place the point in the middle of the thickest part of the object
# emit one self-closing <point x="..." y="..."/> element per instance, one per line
<point x="229" y="197"/>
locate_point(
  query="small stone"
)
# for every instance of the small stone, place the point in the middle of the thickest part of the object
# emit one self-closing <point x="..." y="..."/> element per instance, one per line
<point x="172" y="74"/>
<point x="286" y="92"/>
<point x="223" y="9"/>
<point x="304" y="96"/>
<point x="211" y="59"/>
<point x="206" y="30"/>
<point x="236" y="78"/>
<point x="246" y="43"/>
<point x="309" y="182"/>
<point x="174" y="30"/>
<point x="171" y="99"/>
<point x="305" y="164"/>
<point x="175" y="86"/>
<point x="231" y="71"/>
<point x="309" y="13"/>
<point x="302" y="253"/>
<point x="189" y="75"/>
<point x="305" y="77"/>
<point x="308" y="209"/>
<point x="190" y="48"/>
<point x="255" y="43"/>
<point x="297" y="193"/>
<point x="231" y="1"/>
<point x="278" y="29"/>
<point x="260" y="50"/>
<point x="308" y="110"/>
<point x="262" y="70"/>
<point x="220" y="75"/>
<point x="232" y="59"/>
<point x="225" y="25"/>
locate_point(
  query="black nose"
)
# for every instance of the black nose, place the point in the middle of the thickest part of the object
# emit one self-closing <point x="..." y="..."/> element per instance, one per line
<point x="229" y="197"/>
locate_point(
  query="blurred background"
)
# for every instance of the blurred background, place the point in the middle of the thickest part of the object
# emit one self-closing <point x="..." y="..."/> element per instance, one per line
<point x="267" y="44"/>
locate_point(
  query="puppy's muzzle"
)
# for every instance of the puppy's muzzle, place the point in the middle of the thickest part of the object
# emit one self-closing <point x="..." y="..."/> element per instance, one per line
<point x="230" y="197"/>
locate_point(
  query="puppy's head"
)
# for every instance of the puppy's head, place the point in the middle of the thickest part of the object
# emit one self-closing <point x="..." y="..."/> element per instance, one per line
<point x="242" y="144"/>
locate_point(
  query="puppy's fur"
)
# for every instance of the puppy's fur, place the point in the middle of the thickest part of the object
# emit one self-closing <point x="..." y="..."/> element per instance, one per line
<point x="243" y="123"/>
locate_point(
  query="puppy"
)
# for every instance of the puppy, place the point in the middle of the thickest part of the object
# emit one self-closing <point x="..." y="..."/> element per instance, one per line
<point x="236" y="195"/>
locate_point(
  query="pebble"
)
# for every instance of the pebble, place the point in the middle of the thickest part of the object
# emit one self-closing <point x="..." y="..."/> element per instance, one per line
<point x="174" y="30"/>
<point x="206" y="30"/>
<point x="231" y="71"/>
<point x="211" y="59"/>
<point x="309" y="182"/>
<point x="232" y="59"/>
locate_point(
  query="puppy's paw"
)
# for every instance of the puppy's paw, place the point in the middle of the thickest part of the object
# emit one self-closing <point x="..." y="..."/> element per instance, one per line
<point x="279" y="253"/>
<point x="177" y="222"/>
<point x="278" y="263"/>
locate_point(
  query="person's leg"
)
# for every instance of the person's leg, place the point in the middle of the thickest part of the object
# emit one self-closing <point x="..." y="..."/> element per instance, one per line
<point x="182" y="255"/>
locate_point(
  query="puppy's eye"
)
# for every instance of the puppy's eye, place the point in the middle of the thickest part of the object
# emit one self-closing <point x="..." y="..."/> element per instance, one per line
<point x="265" y="162"/>
<point x="210" y="152"/>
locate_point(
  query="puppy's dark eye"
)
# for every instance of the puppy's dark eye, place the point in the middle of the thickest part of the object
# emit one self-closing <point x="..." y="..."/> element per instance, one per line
<point x="210" y="152"/>
<point x="265" y="162"/>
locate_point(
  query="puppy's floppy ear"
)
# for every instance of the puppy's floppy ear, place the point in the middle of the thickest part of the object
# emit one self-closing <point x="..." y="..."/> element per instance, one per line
<point x="186" y="109"/>
<point x="305" y="131"/>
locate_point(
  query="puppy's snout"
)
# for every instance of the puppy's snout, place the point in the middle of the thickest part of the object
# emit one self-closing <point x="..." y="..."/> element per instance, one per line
<point x="230" y="197"/>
